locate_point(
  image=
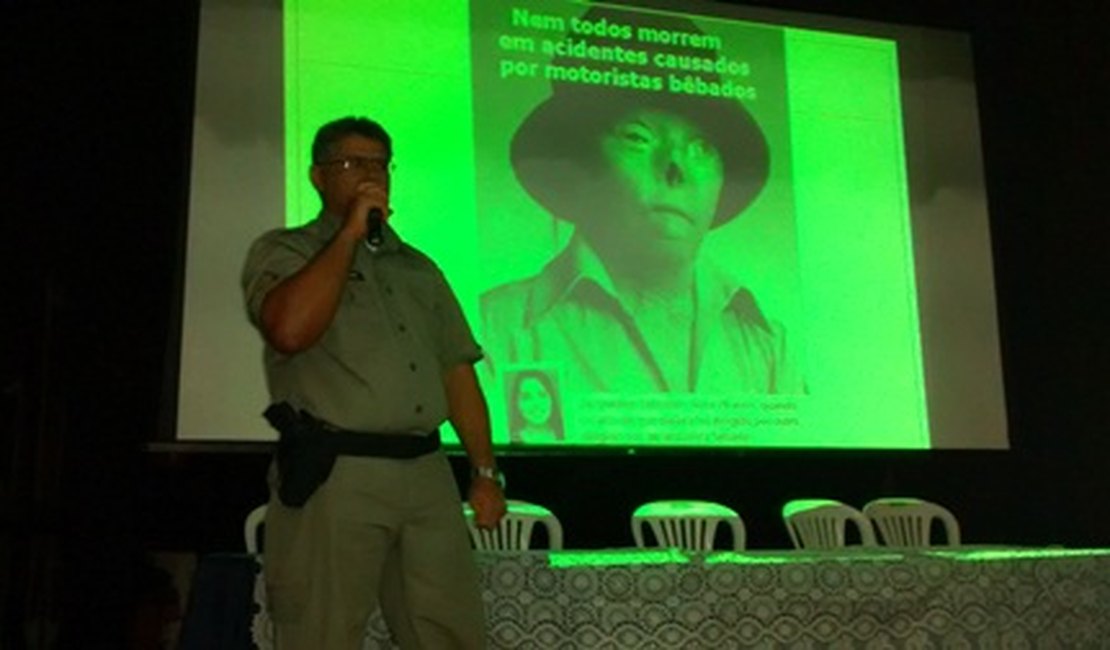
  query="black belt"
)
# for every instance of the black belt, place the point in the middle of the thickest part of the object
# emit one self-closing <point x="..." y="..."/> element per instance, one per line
<point x="307" y="449"/>
<point x="384" y="445"/>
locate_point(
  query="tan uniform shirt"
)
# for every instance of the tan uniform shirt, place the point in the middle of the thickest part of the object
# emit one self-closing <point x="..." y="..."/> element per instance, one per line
<point x="379" y="366"/>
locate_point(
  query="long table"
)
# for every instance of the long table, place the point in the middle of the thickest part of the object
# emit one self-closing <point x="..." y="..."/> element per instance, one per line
<point x="870" y="598"/>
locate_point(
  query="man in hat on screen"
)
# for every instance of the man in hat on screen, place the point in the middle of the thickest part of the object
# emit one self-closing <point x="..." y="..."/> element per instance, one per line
<point x="629" y="305"/>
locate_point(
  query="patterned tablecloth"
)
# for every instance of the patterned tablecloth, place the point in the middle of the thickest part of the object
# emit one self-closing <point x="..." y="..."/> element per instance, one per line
<point x="967" y="598"/>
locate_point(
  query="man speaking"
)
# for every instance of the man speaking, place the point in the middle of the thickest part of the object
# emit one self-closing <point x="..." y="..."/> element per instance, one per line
<point x="367" y="353"/>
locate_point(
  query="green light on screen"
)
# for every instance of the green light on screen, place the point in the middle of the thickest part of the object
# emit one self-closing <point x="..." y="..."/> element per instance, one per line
<point x="798" y="325"/>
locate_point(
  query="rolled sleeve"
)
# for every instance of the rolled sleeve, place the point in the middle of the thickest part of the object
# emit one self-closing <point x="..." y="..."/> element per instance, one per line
<point x="271" y="259"/>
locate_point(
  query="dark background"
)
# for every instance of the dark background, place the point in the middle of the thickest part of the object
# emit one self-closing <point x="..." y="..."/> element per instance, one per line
<point x="97" y="137"/>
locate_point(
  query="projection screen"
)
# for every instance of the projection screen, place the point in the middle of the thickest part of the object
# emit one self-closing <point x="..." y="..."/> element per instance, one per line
<point x="723" y="227"/>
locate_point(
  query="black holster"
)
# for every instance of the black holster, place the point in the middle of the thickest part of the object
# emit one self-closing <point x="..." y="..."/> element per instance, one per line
<point x="304" y="459"/>
<point x="307" y="449"/>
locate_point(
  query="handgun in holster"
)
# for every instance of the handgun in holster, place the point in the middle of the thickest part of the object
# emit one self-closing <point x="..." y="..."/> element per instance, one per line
<point x="304" y="457"/>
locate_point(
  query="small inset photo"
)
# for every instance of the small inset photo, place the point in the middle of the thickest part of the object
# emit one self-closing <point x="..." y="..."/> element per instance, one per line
<point x="534" y="406"/>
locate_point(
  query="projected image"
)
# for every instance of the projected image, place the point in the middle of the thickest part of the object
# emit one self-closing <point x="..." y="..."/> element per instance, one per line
<point x="707" y="227"/>
<point x="535" y="407"/>
<point x="642" y="148"/>
<point x="636" y="220"/>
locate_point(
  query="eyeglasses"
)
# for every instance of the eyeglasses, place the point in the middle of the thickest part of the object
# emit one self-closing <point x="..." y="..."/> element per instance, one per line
<point x="362" y="164"/>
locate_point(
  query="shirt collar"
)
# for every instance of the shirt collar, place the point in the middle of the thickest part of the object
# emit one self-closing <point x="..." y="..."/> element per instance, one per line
<point x="578" y="270"/>
<point x="574" y="270"/>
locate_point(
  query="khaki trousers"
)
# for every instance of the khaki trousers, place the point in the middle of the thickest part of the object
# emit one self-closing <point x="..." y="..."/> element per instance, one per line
<point x="382" y="532"/>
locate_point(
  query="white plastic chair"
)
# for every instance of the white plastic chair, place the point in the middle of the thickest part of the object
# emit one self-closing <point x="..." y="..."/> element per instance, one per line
<point x="908" y="522"/>
<point x="822" y="524"/>
<point x="514" y="533"/>
<point x="253" y="528"/>
<point x="688" y="525"/>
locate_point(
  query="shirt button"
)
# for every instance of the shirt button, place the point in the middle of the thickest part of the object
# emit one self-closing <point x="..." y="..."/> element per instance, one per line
<point x="401" y="327"/>
<point x="389" y="290"/>
<point x="419" y="408"/>
<point x="412" y="367"/>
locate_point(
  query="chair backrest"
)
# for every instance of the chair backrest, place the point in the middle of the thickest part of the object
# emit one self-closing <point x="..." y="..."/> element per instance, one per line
<point x="908" y="522"/>
<point x="688" y="525"/>
<point x="253" y="528"/>
<point x="823" y="523"/>
<point x="514" y="533"/>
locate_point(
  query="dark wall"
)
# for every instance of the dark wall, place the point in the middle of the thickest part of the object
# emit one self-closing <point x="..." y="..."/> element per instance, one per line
<point x="96" y="133"/>
<point x="97" y="140"/>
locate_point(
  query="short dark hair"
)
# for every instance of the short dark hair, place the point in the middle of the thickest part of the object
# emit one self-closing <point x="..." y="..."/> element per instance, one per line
<point x="331" y="133"/>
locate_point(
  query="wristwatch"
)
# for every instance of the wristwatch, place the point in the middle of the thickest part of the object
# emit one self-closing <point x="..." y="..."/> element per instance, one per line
<point x="490" y="472"/>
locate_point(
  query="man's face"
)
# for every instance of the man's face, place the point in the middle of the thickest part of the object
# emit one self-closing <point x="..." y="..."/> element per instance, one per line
<point x="659" y="186"/>
<point x="353" y="164"/>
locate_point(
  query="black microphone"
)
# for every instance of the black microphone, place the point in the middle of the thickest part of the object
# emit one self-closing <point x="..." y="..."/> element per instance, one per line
<point x="374" y="227"/>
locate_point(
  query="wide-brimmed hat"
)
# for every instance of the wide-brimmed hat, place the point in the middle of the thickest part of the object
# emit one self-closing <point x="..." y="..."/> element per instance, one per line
<point x="549" y="150"/>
